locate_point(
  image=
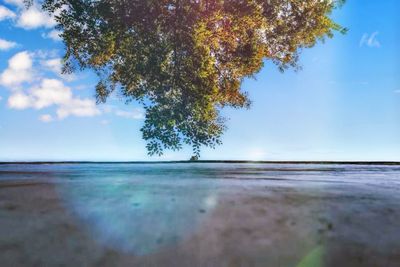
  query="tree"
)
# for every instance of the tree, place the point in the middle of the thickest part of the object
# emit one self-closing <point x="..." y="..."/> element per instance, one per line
<point x="185" y="60"/>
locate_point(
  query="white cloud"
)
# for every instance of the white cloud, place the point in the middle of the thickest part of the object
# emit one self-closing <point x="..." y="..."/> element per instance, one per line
<point x="370" y="40"/>
<point x="1" y="98"/>
<point x="53" y="35"/>
<point x="46" y="54"/>
<point x="19" y="101"/>
<point x="52" y="92"/>
<point x="21" y="61"/>
<point x="6" y="45"/>
<point x="46" y="118"/>
<point x="28" y="18"/>
<point x="6" y="13"/>
<point x="78" y="107"/>
<point x="55" y="65"/>
<point x="19" y="70"/>
<point x="136" y="114"/>
<point x="25" y="78"/>
<point x="33" y="18"/>
<point x="18" y="3"/>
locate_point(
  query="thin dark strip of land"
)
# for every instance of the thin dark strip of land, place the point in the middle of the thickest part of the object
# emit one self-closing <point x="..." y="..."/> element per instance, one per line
<point x="205" y="161"/>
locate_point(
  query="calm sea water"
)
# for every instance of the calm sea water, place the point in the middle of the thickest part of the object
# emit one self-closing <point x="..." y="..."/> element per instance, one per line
<point x="182" y="172"/>
<point x="118" y="202"/>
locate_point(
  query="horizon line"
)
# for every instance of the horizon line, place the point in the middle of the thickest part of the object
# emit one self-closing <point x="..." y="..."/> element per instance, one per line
<point x="208" y="161"/>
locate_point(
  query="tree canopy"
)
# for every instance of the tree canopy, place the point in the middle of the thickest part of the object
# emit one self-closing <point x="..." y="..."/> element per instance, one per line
<point x="185" y="60"/>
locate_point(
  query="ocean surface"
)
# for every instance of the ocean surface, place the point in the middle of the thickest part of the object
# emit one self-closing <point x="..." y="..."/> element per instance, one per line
<point x="200" y="173"/>
<point x="116" y="203"/>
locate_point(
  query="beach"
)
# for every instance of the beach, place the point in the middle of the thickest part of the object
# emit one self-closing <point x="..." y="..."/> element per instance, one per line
<point x="198" y="214"/>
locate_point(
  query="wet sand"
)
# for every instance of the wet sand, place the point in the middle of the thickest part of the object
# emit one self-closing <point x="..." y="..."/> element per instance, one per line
<point x="274" y="223"/>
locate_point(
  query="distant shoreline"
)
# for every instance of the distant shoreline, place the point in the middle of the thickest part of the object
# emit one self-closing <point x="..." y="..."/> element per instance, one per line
<point x="203" y="161"/>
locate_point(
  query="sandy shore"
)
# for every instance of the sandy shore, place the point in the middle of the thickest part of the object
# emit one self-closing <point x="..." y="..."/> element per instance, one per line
<point x="277" y="224"/>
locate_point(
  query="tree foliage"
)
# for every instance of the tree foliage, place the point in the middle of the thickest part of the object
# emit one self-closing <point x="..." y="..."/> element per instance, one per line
<point x="185" y="60"/>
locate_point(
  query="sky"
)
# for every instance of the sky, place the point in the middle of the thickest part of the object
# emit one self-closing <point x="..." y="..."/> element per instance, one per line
<point x="343" y="105"/>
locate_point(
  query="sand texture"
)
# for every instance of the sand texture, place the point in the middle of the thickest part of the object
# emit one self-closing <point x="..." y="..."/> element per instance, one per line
<point x="233" y="222"/>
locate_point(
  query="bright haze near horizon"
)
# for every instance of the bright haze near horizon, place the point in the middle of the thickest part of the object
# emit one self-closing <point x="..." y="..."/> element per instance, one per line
<point x="343" y="105"/>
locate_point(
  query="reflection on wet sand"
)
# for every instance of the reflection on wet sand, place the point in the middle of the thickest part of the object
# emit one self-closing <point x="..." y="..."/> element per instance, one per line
<point x="199" y="215"/>
<point x="139" y="216"/>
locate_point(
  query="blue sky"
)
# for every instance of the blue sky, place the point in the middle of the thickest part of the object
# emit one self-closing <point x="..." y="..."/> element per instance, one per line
<point x="343" y="105"/>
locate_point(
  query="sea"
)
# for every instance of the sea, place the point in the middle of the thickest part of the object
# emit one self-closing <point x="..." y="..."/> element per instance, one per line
<point x="117" y="202"/>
